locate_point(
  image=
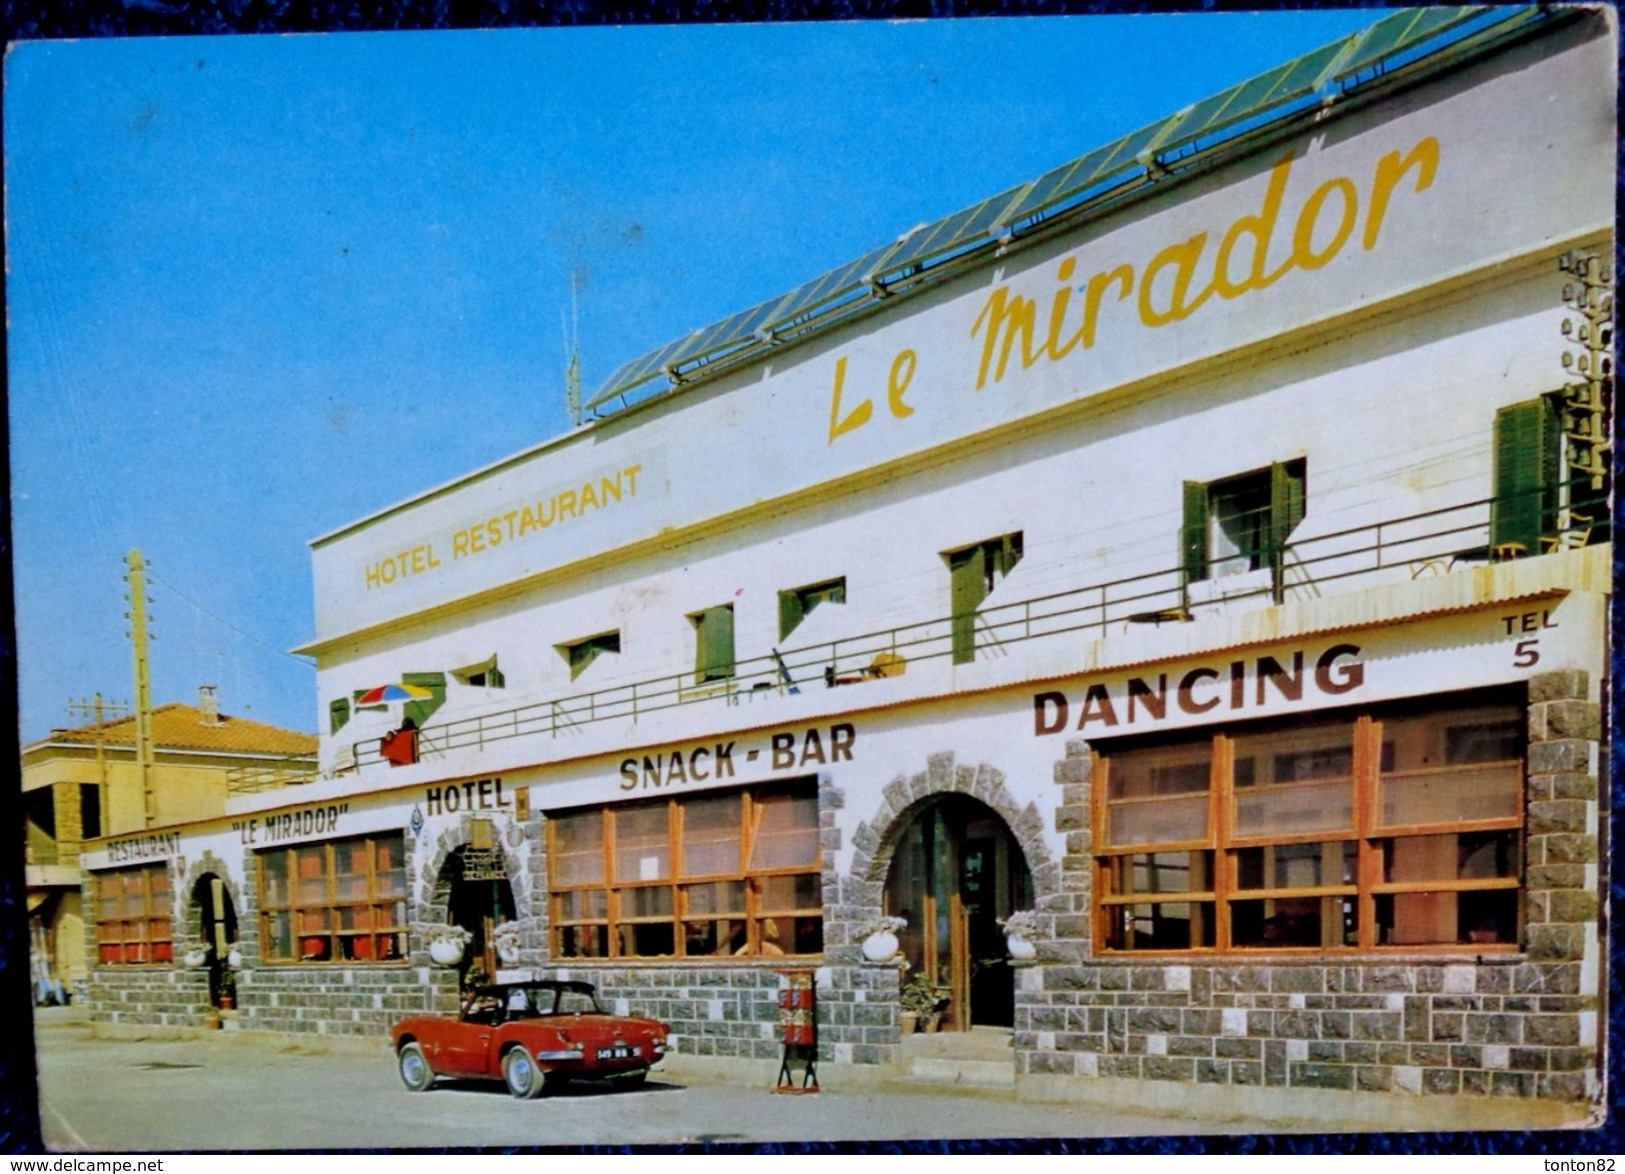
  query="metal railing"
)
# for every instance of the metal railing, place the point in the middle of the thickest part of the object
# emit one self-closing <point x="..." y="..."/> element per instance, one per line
<point x="1431" y="542"/>
<point x="288" y="772"/>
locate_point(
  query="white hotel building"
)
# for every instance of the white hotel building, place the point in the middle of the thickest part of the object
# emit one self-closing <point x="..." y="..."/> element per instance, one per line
<point x="1203" y="545"/>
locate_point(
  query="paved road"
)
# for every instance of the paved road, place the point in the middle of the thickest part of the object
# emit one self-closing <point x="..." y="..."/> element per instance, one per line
<point x="246" y="1093"/>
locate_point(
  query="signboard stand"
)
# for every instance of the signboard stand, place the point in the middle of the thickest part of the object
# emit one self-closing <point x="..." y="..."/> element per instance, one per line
<point x="798" y="1031"/>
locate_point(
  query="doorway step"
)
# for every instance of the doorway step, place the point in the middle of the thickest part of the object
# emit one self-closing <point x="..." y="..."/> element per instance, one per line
<point x="981" y="1058"/>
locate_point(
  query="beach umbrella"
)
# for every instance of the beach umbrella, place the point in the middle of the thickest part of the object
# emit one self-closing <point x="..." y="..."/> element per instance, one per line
<point x="395" y="691"/>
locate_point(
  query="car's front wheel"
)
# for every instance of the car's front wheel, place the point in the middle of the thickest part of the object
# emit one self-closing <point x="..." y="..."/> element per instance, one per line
<point x="523" y="1078"/>
<point x="415" y="1071"/>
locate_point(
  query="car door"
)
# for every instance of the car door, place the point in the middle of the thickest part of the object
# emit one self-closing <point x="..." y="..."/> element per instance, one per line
<point x="465" y="1045"/>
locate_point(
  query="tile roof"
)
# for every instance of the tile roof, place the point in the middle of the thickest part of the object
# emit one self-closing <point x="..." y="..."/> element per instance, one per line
<point x="181" y="727"/>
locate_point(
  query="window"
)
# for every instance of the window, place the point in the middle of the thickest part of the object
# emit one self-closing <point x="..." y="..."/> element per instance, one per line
<point x="718" y="875"/>
<point x="796" y="605"/>
<point x="1242" y="523"/>
<point x="90" y="811"/>
<point x="1395" y="828"/>
<point x="133" y="911"/>
<point x="973" y="572"/>
<point x="713" y="643"/>
<point x="337" y="901"/>
<point x="338" y="714"/>
<point x="583" y="652"/>
<point x="484" y="675"/>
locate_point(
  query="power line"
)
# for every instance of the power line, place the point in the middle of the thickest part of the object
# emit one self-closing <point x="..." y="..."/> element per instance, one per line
<point x="227" y="623"/>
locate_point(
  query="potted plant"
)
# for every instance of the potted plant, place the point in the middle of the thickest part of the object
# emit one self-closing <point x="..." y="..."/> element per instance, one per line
<point x="880" y="939"/>
<point x="507" y="940"/>
<point x="918" y="1001"/>
<point x="1020" y="928"/>
<point x="446" y="944"/>
<point x="195" y="958"/>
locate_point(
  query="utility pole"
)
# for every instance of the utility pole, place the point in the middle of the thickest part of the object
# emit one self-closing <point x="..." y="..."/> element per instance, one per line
<point x="137" y="616"/>
<point x="98" y="713"/>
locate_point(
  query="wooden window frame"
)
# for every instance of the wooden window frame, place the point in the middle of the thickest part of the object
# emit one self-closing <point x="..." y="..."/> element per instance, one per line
<point x="148" y="932"/>
<point x="331" y="905"/>
<point x="678" y="882"/>
<point x="1371" y="839"/>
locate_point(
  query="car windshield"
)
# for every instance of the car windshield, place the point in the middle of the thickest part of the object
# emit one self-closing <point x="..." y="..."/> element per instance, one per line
<point x="530" y="1002"/>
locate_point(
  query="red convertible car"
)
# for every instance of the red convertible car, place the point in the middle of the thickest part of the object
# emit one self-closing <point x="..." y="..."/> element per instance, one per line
<point x="528" y="1035"/>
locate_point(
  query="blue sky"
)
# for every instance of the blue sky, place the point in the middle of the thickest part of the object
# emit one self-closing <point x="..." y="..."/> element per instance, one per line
<point x="261" y="286"/>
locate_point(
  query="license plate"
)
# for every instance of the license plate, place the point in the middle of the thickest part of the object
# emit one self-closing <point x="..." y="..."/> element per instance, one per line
<point x="621" y="1053"/>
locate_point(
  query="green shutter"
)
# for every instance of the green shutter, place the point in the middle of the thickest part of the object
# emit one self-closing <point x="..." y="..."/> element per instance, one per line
<point x="338" y="713"/>
<point x="714" y="643"/>
<point x="1287" y="492"/>
<point x="1526" y="464"/>
<point x="421" y="711"/>
<point x="1193" y="533"/>
<point x="1006" y="553"/>
<point x="967" y="572"/>
<point x="791" y="612"/>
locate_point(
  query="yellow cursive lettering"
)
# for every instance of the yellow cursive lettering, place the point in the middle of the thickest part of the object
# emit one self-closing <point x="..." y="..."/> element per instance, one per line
<point x="859" y="415"/>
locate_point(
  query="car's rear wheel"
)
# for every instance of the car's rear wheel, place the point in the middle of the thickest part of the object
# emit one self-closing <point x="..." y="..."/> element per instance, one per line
<point x="416" y="1073"/>
<point x="523" y="1078"/>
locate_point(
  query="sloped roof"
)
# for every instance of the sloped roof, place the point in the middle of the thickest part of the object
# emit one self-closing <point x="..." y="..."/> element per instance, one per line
<point x="182" y="727"/>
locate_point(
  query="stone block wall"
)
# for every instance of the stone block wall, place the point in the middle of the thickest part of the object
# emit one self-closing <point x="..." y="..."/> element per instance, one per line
<point x="340" y="1000"/>
<point x="161" y="996"/>
<point x="734" y="1011"/>
<point x="329" y="999"/>
<point x="731" y="1008"/>
<point x="165" y="995"/>
<point x="1523" y="1025"/>
<point x="333" y="998"/>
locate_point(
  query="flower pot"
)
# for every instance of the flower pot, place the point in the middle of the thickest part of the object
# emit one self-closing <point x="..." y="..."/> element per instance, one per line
<point x="445" y="951"/>
<point x="1021" y="950"/>
<point x="508" y="953"/>
<point x="228" y="1002"/>
<point x="880" y="947"/>
<point x="194" y="959"/>
<point x="234" y="958"/>
<point x="908" y="1022"/>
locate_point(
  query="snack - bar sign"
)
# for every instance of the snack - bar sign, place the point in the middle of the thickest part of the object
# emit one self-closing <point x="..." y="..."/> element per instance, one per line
<point x="715" y="761"/>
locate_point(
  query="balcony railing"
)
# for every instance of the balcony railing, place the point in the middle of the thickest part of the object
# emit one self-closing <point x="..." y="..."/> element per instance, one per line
<point x="1416" y="545"/>
<point x="289" y="772"/>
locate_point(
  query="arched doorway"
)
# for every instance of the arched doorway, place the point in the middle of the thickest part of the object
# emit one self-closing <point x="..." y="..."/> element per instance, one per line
<point x="956" y="871"/>
<point x="480" y="898"/>
<point x="217" y="929"/>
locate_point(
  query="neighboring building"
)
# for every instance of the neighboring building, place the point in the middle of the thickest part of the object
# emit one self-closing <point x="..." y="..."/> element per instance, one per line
<point x="83" y="785"/>
<point x="1203" y="546"/>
